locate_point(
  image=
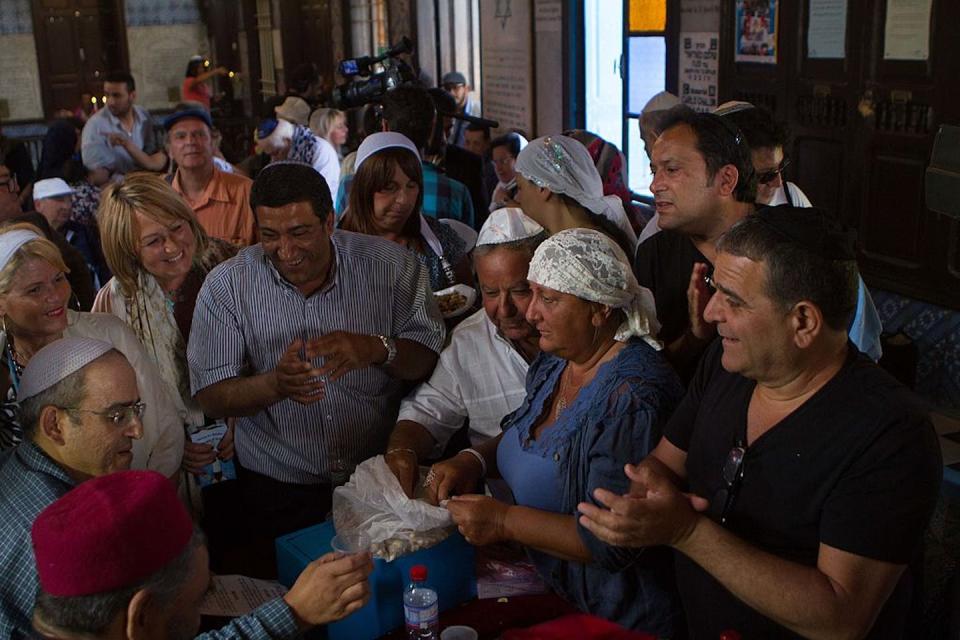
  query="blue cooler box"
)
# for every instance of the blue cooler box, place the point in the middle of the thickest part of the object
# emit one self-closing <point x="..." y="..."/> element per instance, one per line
<point x="450" y="567"/>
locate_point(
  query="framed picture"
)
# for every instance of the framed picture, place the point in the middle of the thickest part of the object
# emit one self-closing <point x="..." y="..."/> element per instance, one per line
<point x="756" y="31"/>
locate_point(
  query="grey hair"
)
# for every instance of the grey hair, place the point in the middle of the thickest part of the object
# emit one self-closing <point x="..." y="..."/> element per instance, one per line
<point x="524" y="244"/>
<point x="88" y="616"/>
<point x="795" y="273"/>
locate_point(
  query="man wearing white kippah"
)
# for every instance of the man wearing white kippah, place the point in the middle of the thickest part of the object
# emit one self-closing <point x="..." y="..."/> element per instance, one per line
<point x="81" y="412"/>
<point x="480" y="374"/>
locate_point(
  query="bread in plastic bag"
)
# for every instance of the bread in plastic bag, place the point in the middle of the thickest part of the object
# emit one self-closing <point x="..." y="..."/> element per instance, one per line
<point x="373" y="502"/>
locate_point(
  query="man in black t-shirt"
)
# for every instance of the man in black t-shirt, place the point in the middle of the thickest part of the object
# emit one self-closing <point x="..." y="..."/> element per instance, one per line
<point x="811" y="473"/>
<point x="703" y="183"/>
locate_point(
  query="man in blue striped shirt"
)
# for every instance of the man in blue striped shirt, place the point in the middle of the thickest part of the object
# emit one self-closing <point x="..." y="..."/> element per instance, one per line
<point x="309" y="336"/>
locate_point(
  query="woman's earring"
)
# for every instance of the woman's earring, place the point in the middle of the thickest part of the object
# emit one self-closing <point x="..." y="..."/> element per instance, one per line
<point x="75" y="300"/>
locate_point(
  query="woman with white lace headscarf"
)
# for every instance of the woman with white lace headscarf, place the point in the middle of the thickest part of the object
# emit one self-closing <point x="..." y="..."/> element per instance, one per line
<point x="559" y="187"/>
<point x="597" y="398"/>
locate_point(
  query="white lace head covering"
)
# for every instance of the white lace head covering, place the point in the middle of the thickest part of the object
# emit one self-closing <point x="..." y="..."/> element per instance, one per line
<point x="508" y="224"/>
<point x="563" y="165"/>
<point x="588" y="264"/>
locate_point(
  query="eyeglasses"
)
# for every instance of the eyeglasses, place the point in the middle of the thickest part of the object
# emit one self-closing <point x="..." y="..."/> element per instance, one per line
<point x="732" y="476"/>
<point x="10" y="183"/>
<point x="119" y="416"/>
<point x="769" y="176"/>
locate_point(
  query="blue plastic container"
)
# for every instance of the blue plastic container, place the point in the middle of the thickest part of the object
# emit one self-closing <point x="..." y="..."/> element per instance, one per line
<point x="450" y="565"/>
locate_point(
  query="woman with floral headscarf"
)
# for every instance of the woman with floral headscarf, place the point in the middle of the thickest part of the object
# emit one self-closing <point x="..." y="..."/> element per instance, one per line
<point x="559" y="187"/>
<point x="598" y="394"/>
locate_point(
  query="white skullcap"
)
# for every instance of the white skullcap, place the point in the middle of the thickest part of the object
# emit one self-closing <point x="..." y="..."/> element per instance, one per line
<point x="51" y="188"/>
<point x="732" y="106"/>
<point x="563" y="165"/>
<point x="11" y="241"/>
<point x="507" y="225"/>
<point x="376" y="142"/>
<point x="58" y="360"/>
<point x="589" y="265"/>
<point x="660" y="102"/>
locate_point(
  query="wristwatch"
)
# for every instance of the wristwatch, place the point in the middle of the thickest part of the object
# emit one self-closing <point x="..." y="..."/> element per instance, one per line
<point x="391" y="347"/>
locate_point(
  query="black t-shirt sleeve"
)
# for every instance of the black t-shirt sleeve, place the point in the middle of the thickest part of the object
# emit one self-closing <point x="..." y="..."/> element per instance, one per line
<point x="882" y="504"/>
<point x="679" y="429"/>
<point x="643" y="263"/>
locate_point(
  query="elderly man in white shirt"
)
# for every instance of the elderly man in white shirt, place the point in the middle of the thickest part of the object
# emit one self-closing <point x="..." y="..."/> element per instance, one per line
<point x="480" y="374"/>
<point x="285" y="141"/>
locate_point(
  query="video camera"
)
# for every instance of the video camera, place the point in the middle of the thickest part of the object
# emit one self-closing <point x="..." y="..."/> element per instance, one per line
<point x="392" y="73"/>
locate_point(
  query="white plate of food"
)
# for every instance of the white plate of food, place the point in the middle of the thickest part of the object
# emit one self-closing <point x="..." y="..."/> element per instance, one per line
<point x="455" y="300"/>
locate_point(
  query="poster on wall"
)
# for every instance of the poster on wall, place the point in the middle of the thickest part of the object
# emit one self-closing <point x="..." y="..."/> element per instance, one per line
<point x="906" y="35"/>
<point x="506" y="45"/>
<point x="699" y="70"/>
<point x="827" y="33"/>
<point x="756" y="31"/>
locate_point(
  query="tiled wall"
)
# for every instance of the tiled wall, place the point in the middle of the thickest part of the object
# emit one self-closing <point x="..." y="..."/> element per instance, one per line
<point x="15" y="17"/>
<point x="936" y="332"/>
<point x="146" y="13"/>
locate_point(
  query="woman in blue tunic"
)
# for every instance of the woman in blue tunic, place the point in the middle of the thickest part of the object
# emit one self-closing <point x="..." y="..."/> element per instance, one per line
<point x="597" y="395"/>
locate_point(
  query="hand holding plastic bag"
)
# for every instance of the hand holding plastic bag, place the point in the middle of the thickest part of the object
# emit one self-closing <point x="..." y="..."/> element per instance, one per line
<point x="374" y="503"/>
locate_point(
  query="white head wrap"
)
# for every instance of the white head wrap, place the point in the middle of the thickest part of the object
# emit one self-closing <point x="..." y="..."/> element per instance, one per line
<point x="376" y="142"/>
<point x="588" y="264"/>
<point x="563" y="165"/>
<point x="58" y="360"/>
<point x="507" y="225"/>
<point x="11" y="241"/>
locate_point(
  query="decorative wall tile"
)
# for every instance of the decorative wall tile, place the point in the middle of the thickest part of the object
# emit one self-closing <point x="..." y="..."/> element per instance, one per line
<point x="144" y="13"/>
<point x="936" y="333"/>
<point x="15" y="17"/>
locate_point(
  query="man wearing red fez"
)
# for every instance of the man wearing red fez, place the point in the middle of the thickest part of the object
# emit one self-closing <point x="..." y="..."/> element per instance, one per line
<point x="136" y="568"/>
<point x="80" y="412"/>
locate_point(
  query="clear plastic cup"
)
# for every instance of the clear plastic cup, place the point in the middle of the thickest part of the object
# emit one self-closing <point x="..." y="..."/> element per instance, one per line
<point x="350" y="542"/>
<point x="459" y="632"/>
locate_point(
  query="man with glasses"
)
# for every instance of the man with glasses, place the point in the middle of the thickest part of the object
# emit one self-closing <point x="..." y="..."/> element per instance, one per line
<point x="80" y="411"/>
<point x="221" y="201"/>
<point x="9" y="193"/>
<point x="811" y="472"/>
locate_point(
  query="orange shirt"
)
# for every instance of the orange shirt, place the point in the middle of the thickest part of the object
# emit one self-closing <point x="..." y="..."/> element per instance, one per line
<point x="223" y="209"/>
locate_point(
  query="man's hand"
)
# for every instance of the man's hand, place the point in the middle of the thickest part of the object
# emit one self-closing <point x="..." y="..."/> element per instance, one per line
<point x="479" y="518"/>
<point x="119" y="140"/>
<point x="404" y="465"/>
<point x="698" y="295"/>
<point x="456" y="476"/>
<point x="196" y="456"/>
<point x="343" y="352"/>
<point x="330" y="588"/>
<point x="654" y="513"/>
<point x="295" y="377"/>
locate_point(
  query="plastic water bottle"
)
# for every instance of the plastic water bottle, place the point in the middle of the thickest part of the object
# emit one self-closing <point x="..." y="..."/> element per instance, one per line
<point x="421" y="607"/>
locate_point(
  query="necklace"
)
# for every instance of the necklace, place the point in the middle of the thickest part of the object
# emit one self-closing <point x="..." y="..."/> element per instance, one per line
<point x="564" y="384"/>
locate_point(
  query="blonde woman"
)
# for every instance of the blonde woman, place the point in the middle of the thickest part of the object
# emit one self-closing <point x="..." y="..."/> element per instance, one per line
<point x="159" y="255"/>
<point x="331" y="125"/>
<point x="34" y="294"/>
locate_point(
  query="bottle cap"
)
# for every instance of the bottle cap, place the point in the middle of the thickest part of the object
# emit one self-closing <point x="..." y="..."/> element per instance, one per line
<point x="418" y="573"/>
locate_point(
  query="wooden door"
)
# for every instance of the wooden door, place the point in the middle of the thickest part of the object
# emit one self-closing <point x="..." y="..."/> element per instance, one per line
<point x="78" y="41"/>
<point x="863" y="129"/>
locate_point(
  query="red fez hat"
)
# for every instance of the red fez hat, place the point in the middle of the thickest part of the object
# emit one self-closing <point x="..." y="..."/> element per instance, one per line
<point x="108" y="533"/>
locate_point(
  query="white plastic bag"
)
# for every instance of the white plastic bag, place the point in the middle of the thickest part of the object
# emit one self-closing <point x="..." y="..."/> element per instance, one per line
<point x="373" y="502"/>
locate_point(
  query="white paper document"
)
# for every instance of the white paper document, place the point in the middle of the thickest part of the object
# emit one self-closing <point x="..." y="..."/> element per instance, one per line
<point x="233" y="596"/>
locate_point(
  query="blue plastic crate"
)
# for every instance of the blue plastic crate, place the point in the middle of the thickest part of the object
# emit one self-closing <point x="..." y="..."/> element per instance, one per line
<point x="450" y="565"/>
